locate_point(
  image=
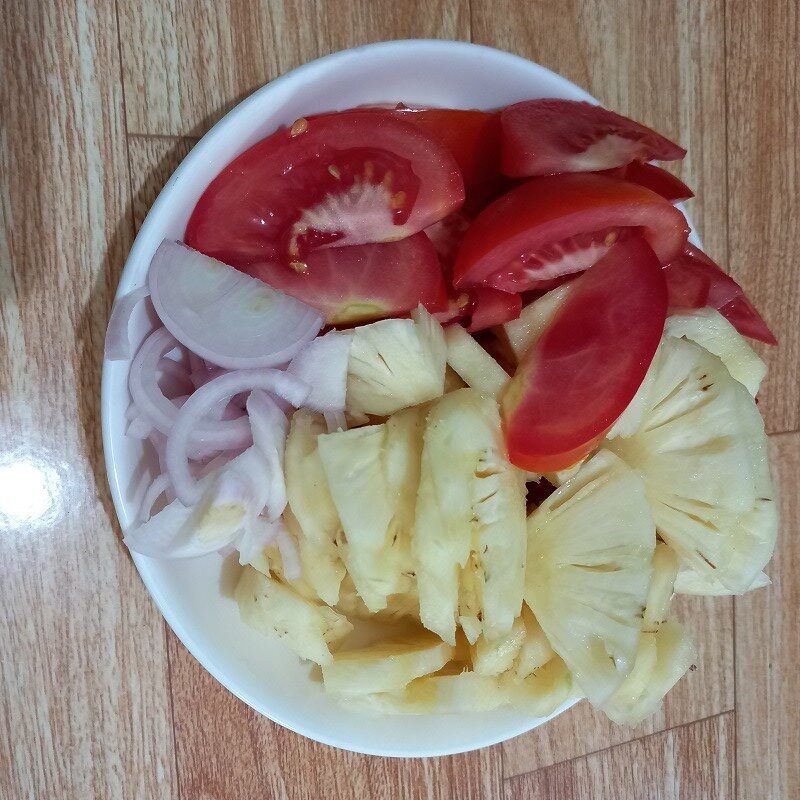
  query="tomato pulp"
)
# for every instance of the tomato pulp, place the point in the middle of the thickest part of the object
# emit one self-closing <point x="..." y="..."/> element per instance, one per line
<point x="562" y="224"/>
<point x="580" y="374"/>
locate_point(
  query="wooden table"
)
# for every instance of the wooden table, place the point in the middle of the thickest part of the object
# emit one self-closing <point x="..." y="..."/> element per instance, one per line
<point x="100" y="101"/>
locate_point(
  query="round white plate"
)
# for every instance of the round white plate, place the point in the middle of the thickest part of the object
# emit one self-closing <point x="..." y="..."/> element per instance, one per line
<point x="195" y="596"/>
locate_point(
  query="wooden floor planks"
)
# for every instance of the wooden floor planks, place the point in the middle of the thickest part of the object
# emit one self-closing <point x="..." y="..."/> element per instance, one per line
<point x="96" y="701"/>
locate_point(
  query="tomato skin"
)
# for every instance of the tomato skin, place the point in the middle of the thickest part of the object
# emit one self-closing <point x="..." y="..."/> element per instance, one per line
<point x="259" y="205"/>
<point x="581" y="373"/>
<point x="473" y="138"/>
<point x="550" y="136"/>
<point x="655" y="178"/>
<point x="554" y="208"/>
<point x="490" y="307"/>
<point x="363" y="282"/>
<point x="695" y="281"/>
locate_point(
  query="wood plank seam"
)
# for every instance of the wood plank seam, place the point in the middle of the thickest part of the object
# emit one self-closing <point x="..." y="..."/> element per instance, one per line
<point x="626" y="743"/>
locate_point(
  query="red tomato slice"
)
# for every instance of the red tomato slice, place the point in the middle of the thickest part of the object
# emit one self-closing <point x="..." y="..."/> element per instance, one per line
<point x="543" y="137"/>
<point x="582" y="372"/>
<point x="346" y="178"/>
<point x="473" y="138"/>
<point x="490" y="307"/>
<point x="559" y="225"/>
<point x="694" y="281"/>
<point x="653" y="178"/>
<point x="363" y="282"/>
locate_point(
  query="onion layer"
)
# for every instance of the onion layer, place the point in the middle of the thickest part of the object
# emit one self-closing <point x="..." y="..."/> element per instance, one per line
<point x="223" y="315"/>
<point x="200" y="404"/>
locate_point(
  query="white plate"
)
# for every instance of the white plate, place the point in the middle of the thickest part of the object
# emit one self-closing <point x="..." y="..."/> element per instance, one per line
<point x="194" y="596"/>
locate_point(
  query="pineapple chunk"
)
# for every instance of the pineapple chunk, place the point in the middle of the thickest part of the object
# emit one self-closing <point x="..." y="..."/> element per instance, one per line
<point x="541" y="692"/>
<point x="708" y="328"/>
<point x="523" y="331"/>
<point x="661" y="661"/>
<point x="470" y="500"/>
<point x="702" y="451"/>
<point x="470" y="600"/>
<point x="373" y="474"/>
<point x="385" y="666"/>
<point x="273" y="608"/>
<point x="662" y="586"/>
<point x="463" y="692"/>
<point x="398" y="606"/>
<point x="590" y="551"/>
<point x="310" y="505"/>
<point x="498" y="504"/>
<point x="394" y="364"/>
<point x="493" y="657"/>
<point x="478" y="369"/>
<point x="536" y="650"/>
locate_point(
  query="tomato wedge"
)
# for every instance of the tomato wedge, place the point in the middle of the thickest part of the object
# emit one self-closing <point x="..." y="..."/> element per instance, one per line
<point x="480" y="307"/>
<point x="562" y="224"/>
<point x="694" y="281"/>
<point x="338" y="179"/>
<point x="363" y="282"/>
<point x="653" y="178"/>
<point x="490" y="307"/>
<point x="584" y="369"/>
<point x="473" y="138"/>
<point x="543" y="137"/>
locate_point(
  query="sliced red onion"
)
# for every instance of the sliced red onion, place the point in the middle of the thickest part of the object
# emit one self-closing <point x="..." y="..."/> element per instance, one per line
<point x="290" y="553"/>
<point x="229" y="499"/>
<point x="223" y="315"/>
<point x="139" y="427"/>
<point x="270" y="428"/>
<point x="118" y="341"/>
<point x="200" y="404"/>
<point x="322" y="363"/>
<point x="158" y="487"/>
<point x="162" y="412"/>
<point x="173" y="379"/>
<point x="257" y="535"/>
<point x="335" y="420"/>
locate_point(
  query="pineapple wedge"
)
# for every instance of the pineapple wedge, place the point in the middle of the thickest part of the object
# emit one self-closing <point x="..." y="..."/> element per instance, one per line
<point x="702" y="451"/>
<point x="662" y="588"/>
<point x="386" y="666"/>
<point x="523" y="331"/>
<point x="478" y="369"/>
<point x="542" y="692"/>
<point x="394" y="364"/>
<point x="536" y="650"/>
<point x="373" y="474"/>
<point x="590" y="548"/>
<point x="662" y="659"/>
<point x="470" y="500"/>
<point x="493" y="657"/>
<point x="463" y="692"/>
<point x="273" y="608"/>
<point x="311" y="514"/>
<point x="708" y="328"/>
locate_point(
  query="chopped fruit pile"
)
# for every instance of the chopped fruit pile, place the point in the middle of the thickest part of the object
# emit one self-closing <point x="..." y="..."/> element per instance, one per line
<point x="466" y="401"/>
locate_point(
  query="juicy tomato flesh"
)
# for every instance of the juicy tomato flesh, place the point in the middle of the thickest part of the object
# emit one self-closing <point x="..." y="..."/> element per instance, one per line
<point x="472" y="137"/>
<point x="695" y="281"/>
<point x="490" y="307"/>
<point x="545" y="137"/>
<point x="586" y="366"/>
<point x="562" y="224"/>
<point x="341" y="179"/>
<point x="480" y="307"/>
<point x="653" y="178"/>
<point x="363" y="282"/>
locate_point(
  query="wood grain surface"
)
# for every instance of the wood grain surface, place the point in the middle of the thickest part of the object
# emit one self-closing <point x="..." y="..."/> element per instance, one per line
<point x="99" y="102"/>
